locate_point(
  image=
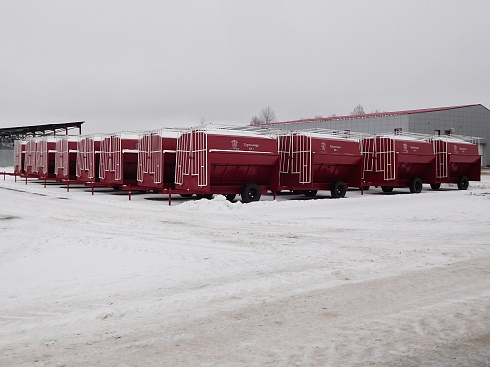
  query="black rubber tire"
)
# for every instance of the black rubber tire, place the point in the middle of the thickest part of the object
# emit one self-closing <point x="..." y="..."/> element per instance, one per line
<point x="310" y="193"/>
<point x="230" y="197"/>
<point x="463" y="183"/>
<point x="186" y="195"/>
<point x="250" y="192"/>
<point x="208" y="196"/>
<point x="117" y="188"/>
<point x="338" y="190"/>
<point x="415" y="185"/>
<point x="365" y="188"/>
<point x="435" y="186"/>
<point x="387" y="188"/>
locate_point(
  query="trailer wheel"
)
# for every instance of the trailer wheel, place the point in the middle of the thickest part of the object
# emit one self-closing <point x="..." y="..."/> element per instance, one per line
<point x="387" y="188"/>
<point x="186" y="195"/>
<point x="310" y="193"/>
<point x="415" y="185"/>
<point x="208" y="196"/>
<point x="365" y="188"/>
<point x="435" y="186"/>
<point x="463" y="183"/>
<point x="230" y="197"/>
<point x="117" y="188"/>
<point x="338" y="189"/>
<point x="250" y="192"/>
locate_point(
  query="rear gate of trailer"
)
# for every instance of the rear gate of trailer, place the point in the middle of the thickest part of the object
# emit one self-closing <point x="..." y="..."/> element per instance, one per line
<point x="119" y="161"/>
<point x="156" y="159"/>
<point x="88" y="160"/>
<point x="66" y="159"/>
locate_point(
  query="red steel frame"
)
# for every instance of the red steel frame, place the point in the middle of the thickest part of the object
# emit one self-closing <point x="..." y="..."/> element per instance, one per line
<point x="119" y="161"/>
<point x="66" y="158"/>
<point x="30" y="158"/>
<point x="221" y="161"/>
<point x="19" y="156"/>
<point x="319" y="160"/>
<point x="88" y="160"/>
<point x="45" y="157"/>
<point x="156" y="159"/>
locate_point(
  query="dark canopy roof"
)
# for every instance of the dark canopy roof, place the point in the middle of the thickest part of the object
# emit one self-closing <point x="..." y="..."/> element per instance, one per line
<point x="20" y="132"/>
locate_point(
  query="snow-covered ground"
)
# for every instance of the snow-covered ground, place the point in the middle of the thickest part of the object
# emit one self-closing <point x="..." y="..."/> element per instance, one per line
<point x="369" y="280"/>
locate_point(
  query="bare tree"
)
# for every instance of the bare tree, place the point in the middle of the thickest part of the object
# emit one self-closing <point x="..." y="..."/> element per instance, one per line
<point x="266" y="116"/>
<point x="358" y="110"/>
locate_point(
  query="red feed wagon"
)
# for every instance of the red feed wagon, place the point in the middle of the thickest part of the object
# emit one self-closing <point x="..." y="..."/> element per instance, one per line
<point x="45" y="156"/>
<point x="88" y="160"/>
<point x="119" y="161"/>
<point x="319" y="160"/>
<point x="156" y="159"/>
<point x="225" y="161"/>
<point x="457" y="160"/>
<point x="19" y="156"/>
<point x="66" y="158"/>
<point x="398" y="160"/>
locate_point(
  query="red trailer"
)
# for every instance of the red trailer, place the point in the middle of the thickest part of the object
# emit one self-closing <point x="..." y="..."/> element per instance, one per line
<point x="66" y="158"/>
<point x="119" y="161"/>
<point x="320" y="160"/>
<point x="88" y="160"/>
<point x="457" y="160"/>
<point x="156" y="159"/>
<point x="225" y="161"/>
<point x="19" y="156"/>
<point x="44" y="158"/>
<point x="398" y="160"/>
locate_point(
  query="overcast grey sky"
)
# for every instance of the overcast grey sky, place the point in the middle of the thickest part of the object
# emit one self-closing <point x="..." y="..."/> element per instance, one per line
<point x="141" y="65"/>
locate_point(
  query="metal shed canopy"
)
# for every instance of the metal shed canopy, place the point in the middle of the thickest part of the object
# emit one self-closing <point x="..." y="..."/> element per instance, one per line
<point x="10" y="134"/>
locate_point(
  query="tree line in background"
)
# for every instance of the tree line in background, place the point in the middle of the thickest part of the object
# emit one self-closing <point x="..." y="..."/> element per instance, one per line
<point x="267" y="115"/>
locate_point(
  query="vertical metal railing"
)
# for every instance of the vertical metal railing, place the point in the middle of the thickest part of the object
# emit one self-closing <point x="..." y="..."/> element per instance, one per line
<point x="199" y="156"/>
<point x="440" y="150"/>
<point x="182" y="159"/>
<point x="18" y="144"/>
<point x="284" y="149"/>
<point x="301" y="157"/>
<point x="385" y="157"/>
<point x="117" y="155"/>
<point x="143" y="156"/>
<point x="156" y="157"/>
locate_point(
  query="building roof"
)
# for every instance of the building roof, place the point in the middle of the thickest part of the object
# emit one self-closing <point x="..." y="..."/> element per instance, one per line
<point x="377" y="114"/>
<point x="20" y="132"/>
